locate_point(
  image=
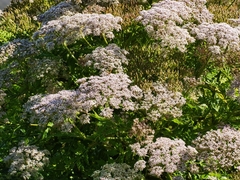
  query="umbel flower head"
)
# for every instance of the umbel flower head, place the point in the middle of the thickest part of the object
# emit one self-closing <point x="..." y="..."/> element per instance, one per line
<point x="113" y="91"/>
<point x="107" y="60"/>
<point x="168" y="21"/>
<point x="18" y="48"/>
<point x="2" y="100"/>
<point x="116" y="171"/>
<point x="160" y="102"/>
<point x="219" y="149"/>
<point x="68" y="29"/>
<point x="219" y="36"/>
<point x="163" y="155"/>
<point x="55" y="12"/>
<point x="55" y="108"/>
<point x="27" y="160"/>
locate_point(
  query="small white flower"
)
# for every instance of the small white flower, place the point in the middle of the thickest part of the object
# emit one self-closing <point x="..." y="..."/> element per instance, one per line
<point x="26" y="160"/>
<point x="116" y="171"/>
<point x="217" y="148"/>
<point x="140" y="165"/>
<point x="69" y="28"/>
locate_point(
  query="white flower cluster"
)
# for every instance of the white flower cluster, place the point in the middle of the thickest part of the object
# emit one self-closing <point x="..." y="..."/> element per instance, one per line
<point x="45" y="69"/>
<point x="142" y="131"/>
<point x="199" y="10"/>
<point x="219" y="36"/>
<point x="116" y="171"/>
<point x="109" y="2"/>
<point x="105" y="92"/>
<point x="26" y="160"/>
<point x="161" y="23"/>
<point x="219" y="149"/>
<point x="7" y="77"/>
<point x="75" y="1"/>
<point x="107" y="60"/>
<point x="18" y="48"/>
<point x="164" y="155"/>
<point x="159" y="101"/>
<point x="22" y="1"/>
<point x="166" y="20"/>
<point x="56" y="108"/>
<point x="113" y="91"/>
<point x="68" y="29"/>
<point x="2" y="96"/>
<point x="94" y="8"/>
<point x="55" y="12"/>
<point x="234" y="89"/>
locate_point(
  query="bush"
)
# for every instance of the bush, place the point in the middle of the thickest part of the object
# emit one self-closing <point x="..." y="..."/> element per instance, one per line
<point x="119" y="89"/>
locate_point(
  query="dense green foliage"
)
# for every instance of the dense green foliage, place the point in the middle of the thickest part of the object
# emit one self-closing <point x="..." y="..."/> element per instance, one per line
<point x="211" y="93"/>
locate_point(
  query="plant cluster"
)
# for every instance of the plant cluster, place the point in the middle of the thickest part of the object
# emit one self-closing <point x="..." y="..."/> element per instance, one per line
<point x="111" y="89"/>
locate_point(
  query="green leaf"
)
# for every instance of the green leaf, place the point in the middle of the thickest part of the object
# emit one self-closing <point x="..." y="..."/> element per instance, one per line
<point x="203" y="107"/>
<point x="221" y="96"/>
<point x="177" y="121"/>
<point x="216" y="107"/>
<point x="45" y="133"/>
<point x="50" y="124"/>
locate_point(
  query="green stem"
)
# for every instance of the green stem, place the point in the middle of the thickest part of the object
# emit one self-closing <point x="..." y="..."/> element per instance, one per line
<point x="87" y="41"/>
<point x="65" y="45"/>
<point x="105" y="40"/>
<point x="80" y="133"/>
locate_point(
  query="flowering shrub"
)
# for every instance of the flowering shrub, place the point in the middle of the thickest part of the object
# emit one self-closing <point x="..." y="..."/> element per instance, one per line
<point x="218" y="149"/>
<point x="166" y="20"/>
<point x="26" y="161"/>
<point x="160" y="101"/>
<point x="107" y="60"/>
<point x="55" y="12"/>
<point x="118" y="90"/>
<point x="116" y="171"/>
<point x="164" y="155"/>
<point x="2" y="96"/>
<point x="17" y="48"/>
<point x="220" y="36"/>
<point x="68" y="29"/>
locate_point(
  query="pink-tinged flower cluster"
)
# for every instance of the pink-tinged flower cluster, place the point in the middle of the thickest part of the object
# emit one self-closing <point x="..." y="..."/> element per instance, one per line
<point x="18" y="48"/>
<point x="219" y="149"/>
<point x="116" y="171"/>
<point x="110" y="92"/>
<point x="107" y="60"/>
<point x="219" y="36"/>
<point x="7" y="78"/>
<point x="167" y="19"/>
<point x="45" y="69"/>
<point x="199" y="10"/>
<point x="163" y="155"/>
<point x="160" y="102"/>
<point x="68" y="29"/>
<point x="26" y="160"/>
<point x="113" y="91"/>
<point x="55" y="108"/>
<point x="234" y="89"/>
<point x="142" y="131"/>
<point x="55" y="12"/>
<point x="2" y="101"/>
<point x="105" y="93"/>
